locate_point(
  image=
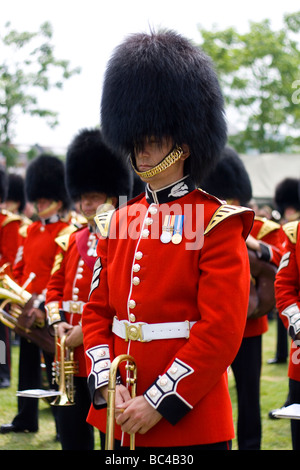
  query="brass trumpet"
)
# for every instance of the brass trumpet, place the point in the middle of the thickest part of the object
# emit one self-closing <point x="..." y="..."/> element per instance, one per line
<point x="16" y="296"/>
<point x="63" y="369"/>
<point x="130" y="380"/>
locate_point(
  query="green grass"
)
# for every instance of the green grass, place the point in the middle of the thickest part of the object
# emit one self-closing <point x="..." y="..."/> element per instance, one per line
<point x="274" y="388"/>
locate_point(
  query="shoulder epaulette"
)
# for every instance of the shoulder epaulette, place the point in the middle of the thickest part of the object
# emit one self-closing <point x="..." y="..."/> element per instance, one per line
<point x="63" y="241"/>
<point x="10" y="217"/>
<point x="291" y="230"/>
<point x="267" y="227"/>
<point x="67" y="230"/>
<point x="23" y="230"/>
<point x="103" y="222"/>
<point x="222" y="213"/>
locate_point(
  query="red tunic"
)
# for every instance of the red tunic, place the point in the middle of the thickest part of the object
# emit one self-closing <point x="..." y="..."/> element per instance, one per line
<point x="36" y="254"/>
<point x="287" y="291"/>
<point x="9" y="237"/>
<point x="203" y="279"/>
<point x="270" y="234"/>
<point x="70" y="282"/>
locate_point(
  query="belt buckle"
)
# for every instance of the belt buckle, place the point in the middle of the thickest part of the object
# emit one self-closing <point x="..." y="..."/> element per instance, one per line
<point x="75" y="307"/>
<point x="133" y="331"/>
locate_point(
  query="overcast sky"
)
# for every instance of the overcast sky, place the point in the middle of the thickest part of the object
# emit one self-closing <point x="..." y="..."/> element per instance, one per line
<point x="87" y="31"/>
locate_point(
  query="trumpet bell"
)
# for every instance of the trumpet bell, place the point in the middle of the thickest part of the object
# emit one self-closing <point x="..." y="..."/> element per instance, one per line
<point x="63" y="370"/>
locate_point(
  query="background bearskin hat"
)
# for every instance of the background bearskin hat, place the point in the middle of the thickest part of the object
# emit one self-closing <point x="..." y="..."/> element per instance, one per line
<point x="230" y="179"/>
<point x="287" y="194"/>
<point x="3" y="183"/>
<point x="162" y="85"/>
<point x="45" y="178"/>
<point x="16" y="190"/>
<point x="91" y="166"/>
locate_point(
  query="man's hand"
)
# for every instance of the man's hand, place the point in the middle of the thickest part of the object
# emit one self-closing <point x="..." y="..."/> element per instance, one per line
<point x="136" y="415"/>
<point x="38" y="316"/>
<point x="74" y="334"/>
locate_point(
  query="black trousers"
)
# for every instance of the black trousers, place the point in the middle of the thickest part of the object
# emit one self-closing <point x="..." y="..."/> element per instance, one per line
<point x="30" y="377"/>
<point x="5" y="366"/>
<point x="74" y="432"/>
<point x="226" y="445"/>
<point x="294" y="397"/>
<point x="247" y="369"/>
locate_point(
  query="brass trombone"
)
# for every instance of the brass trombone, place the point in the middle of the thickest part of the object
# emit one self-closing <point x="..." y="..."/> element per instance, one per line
<point x="63" y="369"/>
<point x="130" y="380"/>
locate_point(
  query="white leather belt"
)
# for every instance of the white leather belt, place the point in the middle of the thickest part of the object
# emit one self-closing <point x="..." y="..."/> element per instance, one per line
<point x="73" y="306"/>
<point x="149" y="331"/>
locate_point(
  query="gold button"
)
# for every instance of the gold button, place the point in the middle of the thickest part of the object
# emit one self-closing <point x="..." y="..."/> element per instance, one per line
<point x="101" y="353"/>
<point x="136" y="268"/>
<point x="132" y="303"/>
<point x="135" y="281"/>
<point x="163" y="381"/>
<point x="153" y="392"/>
<point x="153" y="210"/>
<point x="131" y="317"/>
<point x="138" y="255"/>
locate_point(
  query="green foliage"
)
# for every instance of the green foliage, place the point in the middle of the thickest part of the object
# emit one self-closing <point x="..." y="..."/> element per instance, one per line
<point x="10" y="153"/>
<point x="259" y="72"/>
<point x="27" y="65"/>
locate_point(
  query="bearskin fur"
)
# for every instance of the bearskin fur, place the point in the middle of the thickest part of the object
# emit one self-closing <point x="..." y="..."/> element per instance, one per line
<point x="16" y="191"/>
<point x="230" y="179"/>
<point x="160" y="84"/>
<point x="45" y="178"/>
<point x="287" y="194"/>
<point x="91" y="166"/>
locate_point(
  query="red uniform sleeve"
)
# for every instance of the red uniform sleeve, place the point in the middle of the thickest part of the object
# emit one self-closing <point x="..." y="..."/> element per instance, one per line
<point x="287" y="288"/>
<point x="55" y="289"/>
<point x="97" y="324"/>
<point x="9" y="242"/>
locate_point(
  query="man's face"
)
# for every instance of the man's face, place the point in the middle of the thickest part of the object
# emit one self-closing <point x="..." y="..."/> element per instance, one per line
<point x="152" y="153"/>
<point x="46" y="208"/>
<point x="90" y="202"/>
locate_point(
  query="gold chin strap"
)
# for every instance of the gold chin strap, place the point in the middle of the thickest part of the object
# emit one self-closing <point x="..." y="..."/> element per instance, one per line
<point x="43" y="214"/>
<point x="169" y="160"/>
<point x="108" y="204"/>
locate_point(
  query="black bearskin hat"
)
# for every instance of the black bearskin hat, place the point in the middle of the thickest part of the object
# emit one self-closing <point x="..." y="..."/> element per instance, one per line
<point x="230" y="179"/>
<point x="287" y="194"/>
<point x="91" y="166"/>
<point x="16" y="191"/>
<point x="45" y="178"/>
<point x="162" y="85"/>
<point x="3" y="183"/>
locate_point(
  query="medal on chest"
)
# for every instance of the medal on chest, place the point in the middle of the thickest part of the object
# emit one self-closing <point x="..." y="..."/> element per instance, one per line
<point x="172" y="229"/>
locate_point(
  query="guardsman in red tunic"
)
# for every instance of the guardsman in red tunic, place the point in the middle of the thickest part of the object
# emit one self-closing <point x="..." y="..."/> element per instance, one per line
<point x="230" y="181"/>
<point x="95" y="178"/>
<point x="163" y="277"/>
<point x="287" y="291"/>
<point x="9" y="229"/>
<point x="287" y="202"/>
<point x="44" y="185"/>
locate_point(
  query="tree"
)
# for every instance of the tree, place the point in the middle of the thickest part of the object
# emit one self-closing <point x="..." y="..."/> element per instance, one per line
<point x="28" y="66"/>
<point x="259" y="74"/>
